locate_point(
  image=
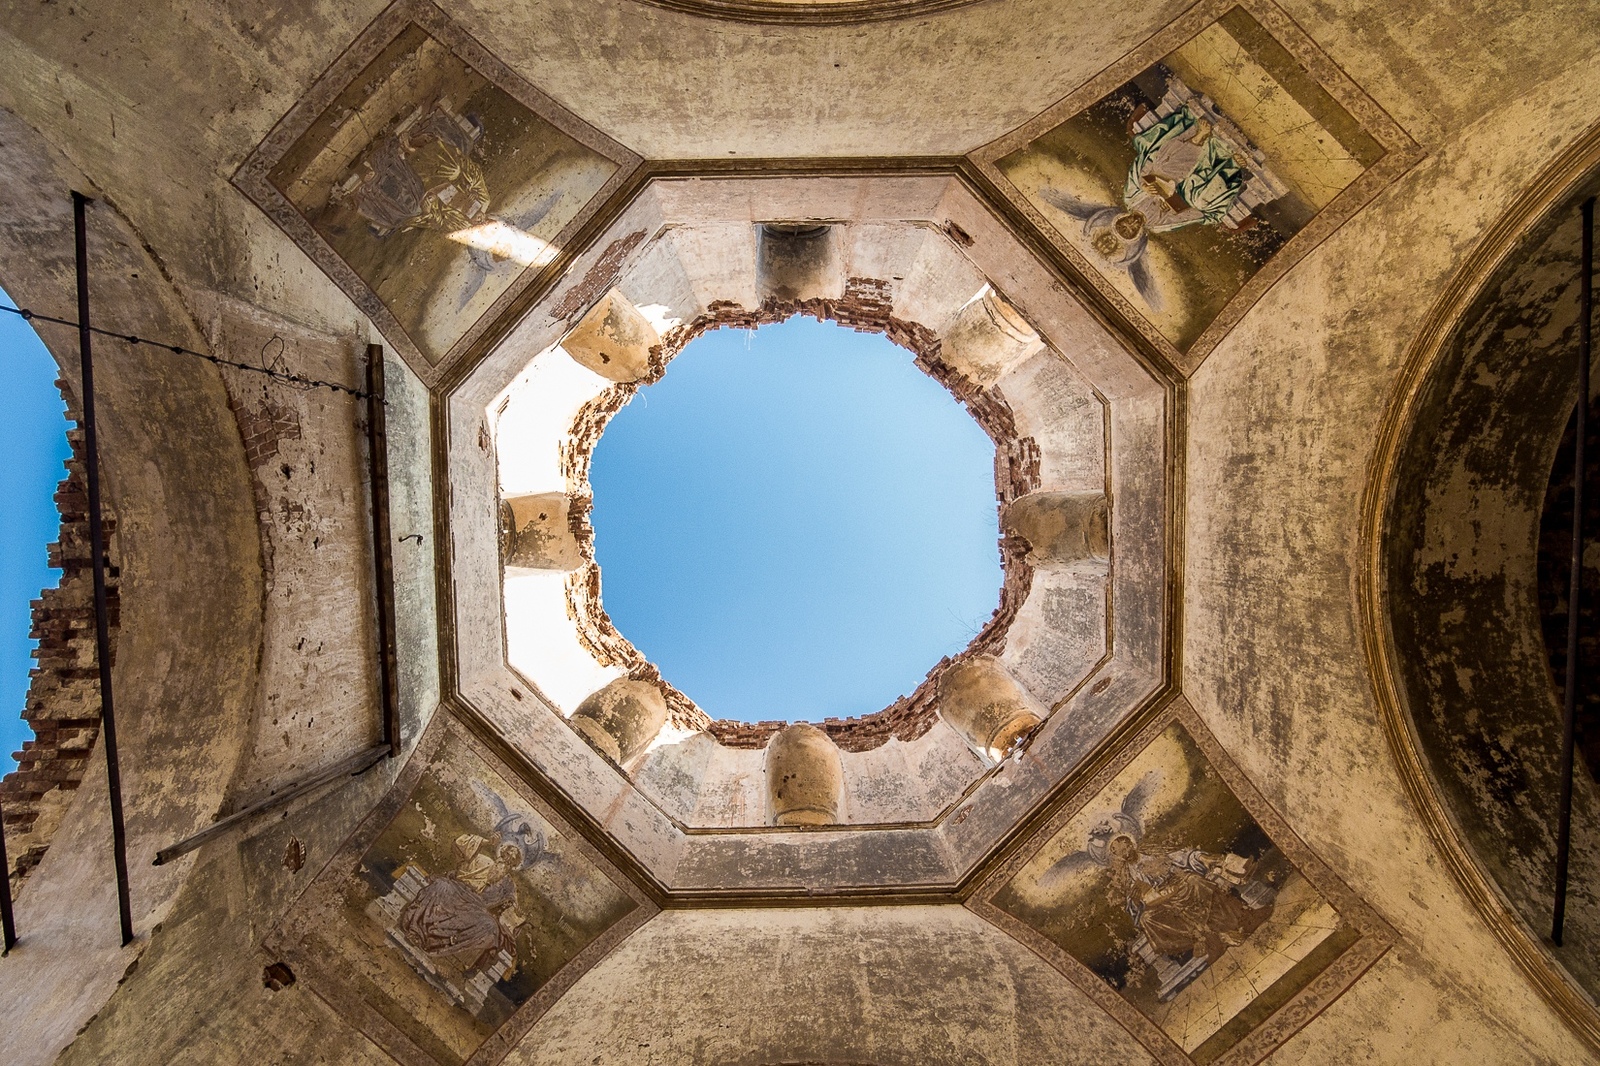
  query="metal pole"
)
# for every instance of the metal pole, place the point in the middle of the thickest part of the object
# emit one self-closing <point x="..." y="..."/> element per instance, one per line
<point x="1579" y="470"/>
<point x="102" y="635"/>
<point x="8" y="921"/>
<point x="382" y="557"/>
<point x="359" y="763"/>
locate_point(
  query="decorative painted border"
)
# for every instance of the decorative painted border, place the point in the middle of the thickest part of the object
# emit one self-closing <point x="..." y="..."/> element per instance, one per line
<point x="252" y="177"/>
<point x="1557" y="181"/>
<point x="1376" y="936"/>
<point x="1400" y="154"/>
<point x="839" y="13"/>
<point x="329" y="977"/>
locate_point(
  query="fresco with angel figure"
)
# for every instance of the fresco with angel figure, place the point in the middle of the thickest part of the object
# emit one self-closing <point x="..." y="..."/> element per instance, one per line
<point x="1166" y="889"/>
<point x="464" y="905"/>
<point x="429" y="181"/>
<point x="1180" y="184"/>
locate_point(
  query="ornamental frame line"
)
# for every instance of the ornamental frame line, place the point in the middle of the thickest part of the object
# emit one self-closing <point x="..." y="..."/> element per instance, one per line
<point x="1556" y="182"/>
<point x="1376" y="936"/>
<point x="1401" y="153"/>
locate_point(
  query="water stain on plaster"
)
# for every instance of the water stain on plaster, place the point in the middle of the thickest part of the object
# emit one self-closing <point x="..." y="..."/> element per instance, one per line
<point x="1464" y="598"/>
<point x="1180" y="184"/>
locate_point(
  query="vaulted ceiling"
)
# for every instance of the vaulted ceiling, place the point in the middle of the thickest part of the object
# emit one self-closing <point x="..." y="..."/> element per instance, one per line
<point x="1232" y="256"/>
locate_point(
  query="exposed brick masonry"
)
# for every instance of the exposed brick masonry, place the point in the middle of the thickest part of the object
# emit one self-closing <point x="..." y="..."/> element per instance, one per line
<point x="599" y="280"/>
<point x="63" y="703"/>
<point x="263" y="427"/>
<point x="866" y="307"/>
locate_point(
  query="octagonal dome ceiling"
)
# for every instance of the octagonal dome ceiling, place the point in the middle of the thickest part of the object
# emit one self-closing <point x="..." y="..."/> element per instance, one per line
<point x="534" y="271"/>
<point x="915" y="759"/>
<point x="924" y="789"/>
<point x="1061" y="281"/>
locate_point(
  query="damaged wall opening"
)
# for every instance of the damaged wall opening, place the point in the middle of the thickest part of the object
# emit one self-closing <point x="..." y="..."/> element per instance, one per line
<point x="795" y="522"/>
<point x="34" y="438"/>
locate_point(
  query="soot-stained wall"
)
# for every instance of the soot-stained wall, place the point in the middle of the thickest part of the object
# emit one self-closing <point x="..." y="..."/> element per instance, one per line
<point x="1464" y="585"/>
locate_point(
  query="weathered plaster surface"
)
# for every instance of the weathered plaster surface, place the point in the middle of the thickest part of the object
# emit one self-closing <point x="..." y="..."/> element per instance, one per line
<point x="240" y="887"/>
<point x="1463" y="584"/>
<point x="188" y="673"/>
<point x="899" y="986"/>
<point x="190" y="599"/>
<point x="1282" y="420"/>
<point x="1443" y="67"/>
<point x="157" y="104"/>
<point x="306" y="453"/>
<point x="210" y="944"/>
<point x="1407" y="1009"/>
<point x="710" y="102"/>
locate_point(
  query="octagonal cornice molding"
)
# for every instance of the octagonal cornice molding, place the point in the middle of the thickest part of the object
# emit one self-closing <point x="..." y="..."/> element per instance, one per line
<point x="825" y="13"/>
<point x="909" y="861"/>
<point x="573" y="256"/>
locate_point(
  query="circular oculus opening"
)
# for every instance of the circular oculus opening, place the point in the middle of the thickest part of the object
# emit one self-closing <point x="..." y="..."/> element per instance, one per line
<point x="795" y="522"/>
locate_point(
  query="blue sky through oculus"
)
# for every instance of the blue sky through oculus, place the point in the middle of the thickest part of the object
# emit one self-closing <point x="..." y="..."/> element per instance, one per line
<point x="33" y="438"/>
<point x="795" y="522"/>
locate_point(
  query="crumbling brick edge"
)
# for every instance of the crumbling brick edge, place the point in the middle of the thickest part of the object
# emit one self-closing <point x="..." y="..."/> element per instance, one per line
<point x="63" y="701"/>
<point x="865" y="307"/>
<point x="263" y="427"/>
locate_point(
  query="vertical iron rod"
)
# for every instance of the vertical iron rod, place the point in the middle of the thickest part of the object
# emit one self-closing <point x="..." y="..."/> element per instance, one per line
<point x="1579" y="470"/>
<point x="382" y="557"/>
<point x="8" y="921"/>
<point x="102" y="635"/>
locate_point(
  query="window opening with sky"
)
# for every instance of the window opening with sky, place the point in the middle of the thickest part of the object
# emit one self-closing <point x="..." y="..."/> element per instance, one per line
<point x="795" y="522"/>
<point x="33" y="439"/>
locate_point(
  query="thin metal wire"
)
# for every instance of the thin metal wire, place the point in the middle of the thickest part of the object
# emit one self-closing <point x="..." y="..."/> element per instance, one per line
<point x="178" y="349"/>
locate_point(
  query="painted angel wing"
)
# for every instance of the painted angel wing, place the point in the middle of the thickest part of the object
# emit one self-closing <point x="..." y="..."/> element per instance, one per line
<point x="1138" y="797"/>
<point x="1145" y="282"/>
<point x="1065" y="868"/>
<point x="526" y="220"/>
<point x="1073" y="206"/>
<point x="492" y="799"/>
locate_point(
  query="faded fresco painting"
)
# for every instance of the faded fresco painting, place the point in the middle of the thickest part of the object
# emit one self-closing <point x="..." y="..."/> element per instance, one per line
<point x="1167" y="890"/>
<point x="465" y="905"/>
<point x="1179" y="185"/>
<point x="436" y="186"/>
